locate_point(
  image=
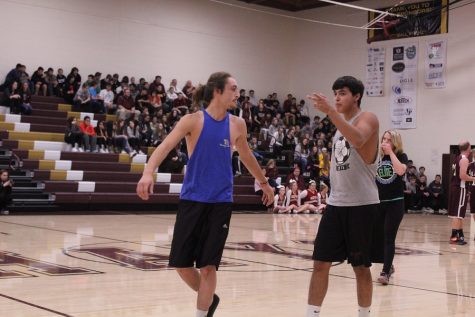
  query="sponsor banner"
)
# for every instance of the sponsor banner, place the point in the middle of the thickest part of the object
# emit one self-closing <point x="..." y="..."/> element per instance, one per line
<point x="402" y="100"/>
<point x="416" y="19"/>
<point x="435" y="64"/>
<point x="375" y="72"/>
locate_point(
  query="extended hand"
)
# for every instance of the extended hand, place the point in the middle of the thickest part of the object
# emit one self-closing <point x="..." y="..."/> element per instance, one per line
<point x="320" y="102"/>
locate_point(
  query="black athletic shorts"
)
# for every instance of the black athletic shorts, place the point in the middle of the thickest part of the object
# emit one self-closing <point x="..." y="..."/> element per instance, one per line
<point x="348" y="233"/>
<point x="458" y="202"/>
<point x="200" y="234"/>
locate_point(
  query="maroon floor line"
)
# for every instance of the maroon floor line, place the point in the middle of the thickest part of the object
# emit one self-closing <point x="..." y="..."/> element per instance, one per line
<point x="36" y="306"/>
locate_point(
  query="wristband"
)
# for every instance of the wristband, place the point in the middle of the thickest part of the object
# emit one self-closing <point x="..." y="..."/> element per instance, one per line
<point x="266" y="182"/>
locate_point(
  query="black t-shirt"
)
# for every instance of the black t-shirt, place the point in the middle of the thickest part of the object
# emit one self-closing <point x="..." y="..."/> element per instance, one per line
<point x="390" y="184"/>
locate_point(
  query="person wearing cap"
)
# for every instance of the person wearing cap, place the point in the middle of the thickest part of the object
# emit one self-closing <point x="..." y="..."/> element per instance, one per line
<point x="293" y="196"/>
<point x="311" y="199"/>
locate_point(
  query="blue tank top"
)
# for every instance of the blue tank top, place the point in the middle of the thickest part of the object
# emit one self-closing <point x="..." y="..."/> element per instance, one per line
<point x="209" y="174"/>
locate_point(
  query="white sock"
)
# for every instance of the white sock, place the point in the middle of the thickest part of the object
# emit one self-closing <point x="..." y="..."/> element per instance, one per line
<point x="313" y="311"/>
<point x="364" y="311"/>
<point x="201" y="313"/>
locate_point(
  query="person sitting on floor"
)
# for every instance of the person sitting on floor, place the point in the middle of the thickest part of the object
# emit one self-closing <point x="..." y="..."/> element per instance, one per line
<point x="293" y="196"/>
<point x="280" y="201"/>
<point x="311" y="197"/>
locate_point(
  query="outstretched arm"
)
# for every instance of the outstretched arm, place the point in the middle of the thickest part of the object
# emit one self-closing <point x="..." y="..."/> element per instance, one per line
<point x="360" y="133"/>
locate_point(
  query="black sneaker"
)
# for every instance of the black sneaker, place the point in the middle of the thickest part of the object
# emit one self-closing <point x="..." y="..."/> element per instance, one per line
<point x="392" y="270"/>
<point x="461" y="241"/>
<point x="213" y="306"/>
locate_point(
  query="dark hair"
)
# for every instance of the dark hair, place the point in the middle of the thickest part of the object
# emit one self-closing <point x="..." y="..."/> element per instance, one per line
<point x="438" y="175"/>
<point x="5" y="171"/>
<point x="41" y="68"/>
<point x="464" y="146"/>
<point x="353" y="84"/>
<point x="87" y="117"/>
<point x="70" y="121"/>
<point x="18" y="65"/>
<point x="50" y="69"/>
<point x="204" y="93"/>
<point x="97" y="74"/>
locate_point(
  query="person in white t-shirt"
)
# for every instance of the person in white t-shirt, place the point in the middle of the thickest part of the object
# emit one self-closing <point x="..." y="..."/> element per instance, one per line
<point x="108" y="97"/>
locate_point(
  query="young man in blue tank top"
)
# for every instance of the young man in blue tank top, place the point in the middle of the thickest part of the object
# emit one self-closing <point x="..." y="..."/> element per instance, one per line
<point x="205" y="207"/>
<point x="346" y="228"/>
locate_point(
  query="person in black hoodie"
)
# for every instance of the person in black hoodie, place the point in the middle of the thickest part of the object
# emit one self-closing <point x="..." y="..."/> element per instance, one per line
<point x="12" y="97"/>
<point x="73" y="134"/>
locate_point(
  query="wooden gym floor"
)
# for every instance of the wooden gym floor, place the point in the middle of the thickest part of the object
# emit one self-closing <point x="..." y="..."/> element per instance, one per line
<point x="116" y="265"/>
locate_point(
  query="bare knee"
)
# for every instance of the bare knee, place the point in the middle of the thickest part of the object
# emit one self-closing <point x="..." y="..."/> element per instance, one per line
<point x="184" y="270"/>
<point x="362" y="271"/>
<point x="321" y="267"/>
<point x="207" y="271"/>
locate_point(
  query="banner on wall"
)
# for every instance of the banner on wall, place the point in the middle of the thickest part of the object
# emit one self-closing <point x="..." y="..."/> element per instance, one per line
<point x="375" y="72"/>
<point x="435" y="64"/>
<point x="417" y="19"/>
<point x="402" y="100"/>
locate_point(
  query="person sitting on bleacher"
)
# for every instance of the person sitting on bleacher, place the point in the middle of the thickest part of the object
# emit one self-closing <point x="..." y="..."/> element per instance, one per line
<point x="119" y="139"/>
<point x="126" y="106"/>
<point x="313" y="164"/>
<point x="39" y="81"/>
<point x="273" y="173"/>
<point x="253" y="145"/>
<point x="104" y="140"/>
<point x="107" y="96"/>
<point x="146" y="131"/>
<point x="133" y="136"/>
<point x="73" y="135"/>
<point x="89" y="135"/>
<point x="25" y="105"/>
<point x="5" y="191"/>
<point x="12" y="97"/>
<point x="301" y="154"/>
<point x="13" y="75"/>
<point x="97" y="104"/>
<point x="82" y="100"/>
<point x="296" y="177"/>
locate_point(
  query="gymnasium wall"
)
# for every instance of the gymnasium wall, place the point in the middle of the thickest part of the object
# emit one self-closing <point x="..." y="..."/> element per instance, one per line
<point x="188" y="39"/>
<point x="183" y="39"/>
<point x="444" y="116"/>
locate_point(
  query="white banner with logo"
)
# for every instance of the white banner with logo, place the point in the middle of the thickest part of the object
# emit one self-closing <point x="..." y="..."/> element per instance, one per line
<point x="402" y="100"/>
<point x="375" y="72"/>
<point x="435" y="64"/>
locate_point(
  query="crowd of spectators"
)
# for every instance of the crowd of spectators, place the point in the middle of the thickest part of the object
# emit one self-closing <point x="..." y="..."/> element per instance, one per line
<point x="421" y="196"/>
<point x="146" y="112"/>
